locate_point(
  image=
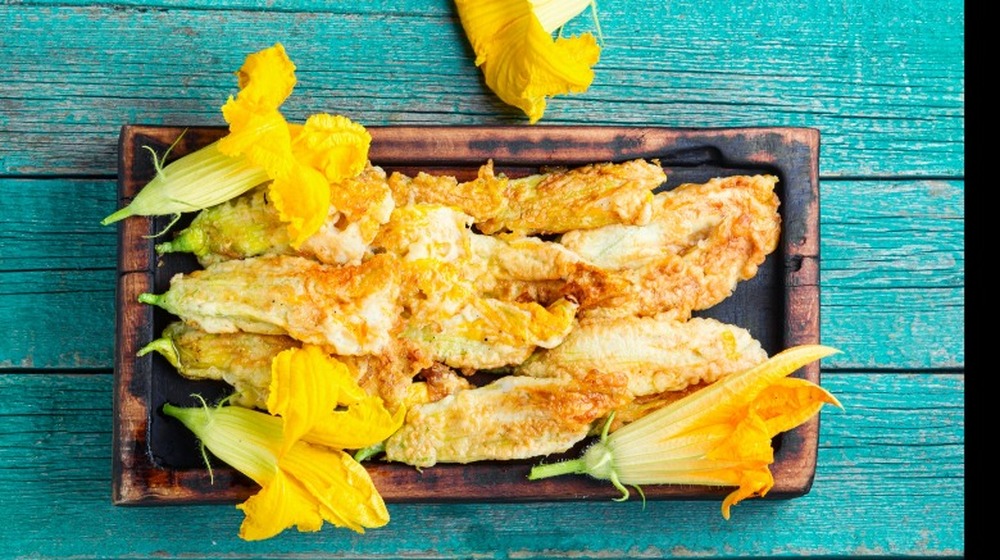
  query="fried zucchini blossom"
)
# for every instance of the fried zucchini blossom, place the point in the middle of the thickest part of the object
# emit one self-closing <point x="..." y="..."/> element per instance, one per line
<point x="717" y="436"/>
<point x="296" y="451"/>
<point x="301" y="162"/>
<point x="521" y="61"/>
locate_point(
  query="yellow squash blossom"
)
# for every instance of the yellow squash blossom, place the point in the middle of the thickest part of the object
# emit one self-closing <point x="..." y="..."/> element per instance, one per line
<point x="717" y="436"/>
<point x="521" y="61"/>
<point x="296" y="451"/>
<point x="326" y="149"/>
<point x="300" y="161"/>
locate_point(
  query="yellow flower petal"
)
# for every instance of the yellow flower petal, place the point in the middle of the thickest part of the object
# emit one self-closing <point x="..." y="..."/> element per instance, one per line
<point x="256" y="127"/>
<point x="363" y="423"/>
<point x="719" y="436"/>
<point x="262" y="136"/>
<point x="302" y="199"/>
<point x="789" y="402"/>
<point x="343" y="490"/>
<point x="301" y="484"/>
<point x="280" y="504"/>
<point x="267" y="77"/>
<point x="320" y="401"/>
<point x="333" y="145"/>
<point x="521" y="62"/>
<point x="304" y="389"/>
<point x="754" y="483"/>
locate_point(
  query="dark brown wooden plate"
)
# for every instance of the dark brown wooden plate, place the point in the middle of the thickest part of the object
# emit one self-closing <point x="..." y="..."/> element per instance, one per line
<point x="156" y="460"/>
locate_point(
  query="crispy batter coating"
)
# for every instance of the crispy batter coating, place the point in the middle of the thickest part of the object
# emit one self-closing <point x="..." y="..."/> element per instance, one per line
<point x="243" y="360"/>
<point x="481" y="198"/>
<point x="350" y="310"/>
<point x="432" y="278"/>
<point x="554" y="202"/>
<point x="586" y="197"/>
<point x="505" y="267"/>
<point x="240" y="359"/>
<point x="358" y="208"/>
<point x="511" y="418"/>
<point x="467" y="331"/>
<point x="702" y="240"/>
<point x="655" y="354"/>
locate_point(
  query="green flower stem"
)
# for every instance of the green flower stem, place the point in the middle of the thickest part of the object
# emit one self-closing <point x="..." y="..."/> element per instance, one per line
<point x="369" y="452"/>
<point x="151" y="299"/>
<point x="576" y="466"/>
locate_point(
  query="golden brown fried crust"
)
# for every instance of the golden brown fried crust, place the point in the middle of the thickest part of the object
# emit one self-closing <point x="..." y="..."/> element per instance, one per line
<point x="702" y="241"/>
<point x="553" y="202"/>
<point x="482" y="198"/>
<point x="242" y="360"/>
<point x="350" y="310"/>
<point x="511" y="418"/>
<point x="418" y="303"/>
<point x="389" y="374"/>
<point x="656" y="354"/>
<point x="442" y="381"/>
<point x="582" y="198"/>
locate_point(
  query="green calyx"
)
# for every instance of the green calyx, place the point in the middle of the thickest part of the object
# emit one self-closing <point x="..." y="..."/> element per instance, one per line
<point x="598" y="461"/>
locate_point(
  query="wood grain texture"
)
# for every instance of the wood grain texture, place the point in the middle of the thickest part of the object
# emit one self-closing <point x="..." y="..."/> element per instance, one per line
<point x="893" y="270"/>
<point x="56" y="262"/>
<point x="882" y="80"/>
<point x="897" y="432"/>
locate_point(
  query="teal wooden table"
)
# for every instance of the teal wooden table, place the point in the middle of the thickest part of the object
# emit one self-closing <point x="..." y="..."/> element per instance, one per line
<point x="883" y="81"/>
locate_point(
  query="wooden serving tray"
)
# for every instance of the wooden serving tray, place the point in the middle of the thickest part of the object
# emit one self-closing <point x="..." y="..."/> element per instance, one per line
<point x="156" y="460"/>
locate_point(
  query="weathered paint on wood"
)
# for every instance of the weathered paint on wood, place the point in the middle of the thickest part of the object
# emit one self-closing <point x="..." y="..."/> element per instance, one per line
<point x="890" y="481"/>
<point x="882" y="80"/>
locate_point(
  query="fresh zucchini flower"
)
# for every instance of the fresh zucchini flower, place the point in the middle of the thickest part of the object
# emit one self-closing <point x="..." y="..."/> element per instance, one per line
<point x="300" y="162"/>
<point x="294" y="453"/>
<point x="717" y="436"/>
<point x="326" y="150"/>
<point x="521" y="61"/>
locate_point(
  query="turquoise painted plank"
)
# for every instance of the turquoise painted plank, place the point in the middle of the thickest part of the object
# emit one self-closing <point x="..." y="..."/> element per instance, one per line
<point x="882" y="80"/>
<point x="57" y="319"/>
<point x="893" y="271"/>
<point x="54" y="224"/>
<point x="57" y="273"/>
<point x="374" y="7"/>
<point x="884" y="328"/>
<point x="890" y="234"/>
<point x="890" y="482"/>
